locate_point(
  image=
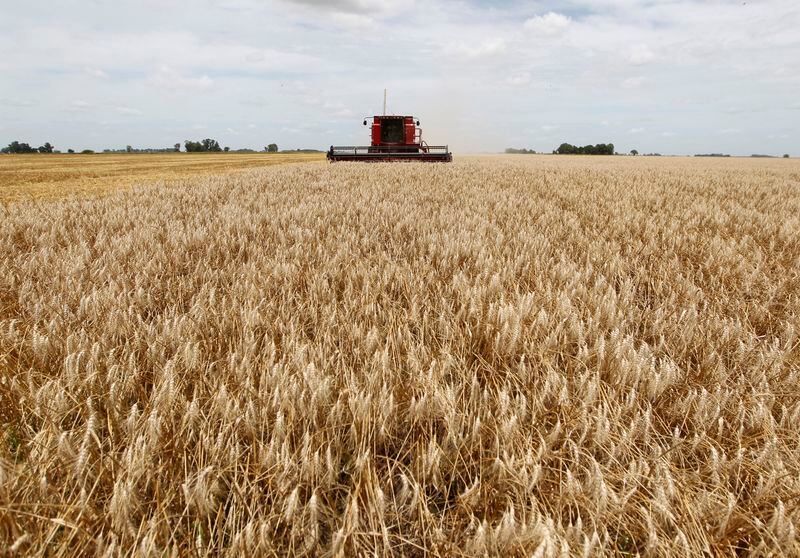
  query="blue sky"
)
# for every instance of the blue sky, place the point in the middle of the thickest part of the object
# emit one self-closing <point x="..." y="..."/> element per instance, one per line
<point x="676" y="76"/>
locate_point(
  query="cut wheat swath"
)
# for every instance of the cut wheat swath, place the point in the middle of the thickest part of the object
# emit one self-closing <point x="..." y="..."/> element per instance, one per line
<point x="551" y="357"/>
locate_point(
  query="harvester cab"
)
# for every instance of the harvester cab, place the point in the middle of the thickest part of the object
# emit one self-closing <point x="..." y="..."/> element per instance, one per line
<point x="394" y="138"/>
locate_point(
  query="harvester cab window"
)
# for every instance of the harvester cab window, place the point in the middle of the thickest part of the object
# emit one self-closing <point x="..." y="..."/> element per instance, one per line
<point x="392" y="130"/>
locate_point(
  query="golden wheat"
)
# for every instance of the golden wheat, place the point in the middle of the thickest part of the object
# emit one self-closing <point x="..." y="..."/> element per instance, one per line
<point x="48" y="177"/>
<point x="513" y="356"/>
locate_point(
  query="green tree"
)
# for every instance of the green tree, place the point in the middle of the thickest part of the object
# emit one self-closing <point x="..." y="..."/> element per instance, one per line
<point x="70" y="151"/>
<point x="634" y="152"/>
<point x="211" y="145"/>
<point x="272" y="148"/>
<point x="785" y="155"/>
<point x="18" y="147"/>
<point x="46" y="148"/>
<point x="207" y="144"/>
<point x="177" y="147"/>
<point x="129" y="149"/>
<point x="226" y="149"/>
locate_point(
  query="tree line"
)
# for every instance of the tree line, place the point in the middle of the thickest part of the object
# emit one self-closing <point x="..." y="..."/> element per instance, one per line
<point x="20" y="147"/>
<point x="599" y="149"/>
<point x="202" y="146"/>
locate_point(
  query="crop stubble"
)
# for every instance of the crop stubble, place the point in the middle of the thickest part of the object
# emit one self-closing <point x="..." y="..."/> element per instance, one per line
<point x="503" y="356"/>
<point x="55" y="176"/>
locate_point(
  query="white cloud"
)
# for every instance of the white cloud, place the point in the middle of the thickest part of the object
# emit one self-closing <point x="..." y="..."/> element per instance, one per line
<point x="632" y="82"/>
<point x="636" y="130"/>
<point x="353" y="21"/>
<point x="169" y="78"/>
<point x="128" y="111"/>
<point x="79" y="106"/>
<point x="16" y="102"/>
<point x="550" y="24"/>
<point x="357" y="6"/>
<point x="96" y="72"/>
<point x="484" y="49"/>
<point x="640" y="54"/>
<point x="521" y="78"/>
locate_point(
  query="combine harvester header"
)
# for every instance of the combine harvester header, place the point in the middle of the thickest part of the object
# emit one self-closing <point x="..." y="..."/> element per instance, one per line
<point x="394" y="138"/>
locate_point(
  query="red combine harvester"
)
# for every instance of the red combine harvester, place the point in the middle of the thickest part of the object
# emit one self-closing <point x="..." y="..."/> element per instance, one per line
<point x="394" y="138"/>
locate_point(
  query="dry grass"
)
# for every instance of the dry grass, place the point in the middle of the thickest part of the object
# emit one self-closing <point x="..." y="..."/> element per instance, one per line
<point x="26" y="177"/>
<point x="515" y="356"/>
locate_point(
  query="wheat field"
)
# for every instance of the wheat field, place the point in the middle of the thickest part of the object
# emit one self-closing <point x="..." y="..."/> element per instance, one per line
<point x="531" y="356"/>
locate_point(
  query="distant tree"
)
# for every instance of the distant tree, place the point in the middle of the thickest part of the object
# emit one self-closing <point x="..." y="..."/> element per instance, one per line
<point x="207" y="144"/>
<point x="226" y="149"/>
<point x="599" y="149"/>
<point x="70" y="151"/>
<point x="634" y="152"/>
<point x="46" y="148"/>
<point x="211" y="145"/>
<point x="129" y="149"/>
<point x="785" y="155"/>
<point x="272" y="148"/>
<point x="18" y="147"/>
<point x="177" y="147"/>
<point x="87" y="152"/>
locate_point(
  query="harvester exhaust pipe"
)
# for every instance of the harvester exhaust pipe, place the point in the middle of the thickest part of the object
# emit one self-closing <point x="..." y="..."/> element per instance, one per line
<point x="384" y="102"/>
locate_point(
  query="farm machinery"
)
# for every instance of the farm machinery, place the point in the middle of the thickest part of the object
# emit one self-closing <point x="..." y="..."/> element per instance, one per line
<point x="394" y="138"/>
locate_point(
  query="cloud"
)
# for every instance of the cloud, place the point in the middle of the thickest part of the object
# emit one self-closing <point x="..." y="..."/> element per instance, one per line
<point x="550" y="24"/>
<point x="128" y="111"/>
<point x="168" y="78"/>
<point x="95" y="72"/>
<point x="548" y="128"/>
<point x="357" y="6"/>
<point x="636" y="130"/>
<point x="640" y="54"/>
<point x="522" y="78"/>
<point x="633" y="82"/>
<point x="79" y="106"/>
<point x="486" y="48"/>
<point x="16" y="102"/>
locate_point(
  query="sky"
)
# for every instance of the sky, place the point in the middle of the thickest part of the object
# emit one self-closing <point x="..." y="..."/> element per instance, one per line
<point x="673" y="76"/>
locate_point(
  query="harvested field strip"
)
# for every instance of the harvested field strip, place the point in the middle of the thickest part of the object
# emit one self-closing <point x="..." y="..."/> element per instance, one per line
<point x="25" y="177"/>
